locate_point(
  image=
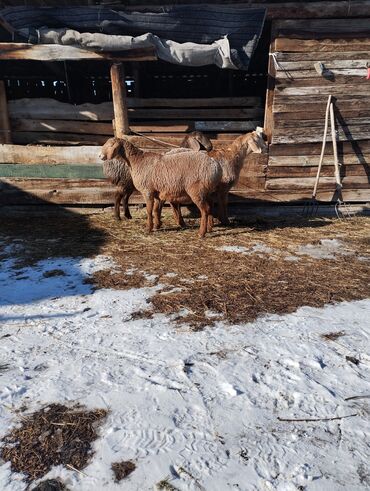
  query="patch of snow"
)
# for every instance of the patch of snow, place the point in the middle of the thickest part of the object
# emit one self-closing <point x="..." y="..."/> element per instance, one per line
<point x="209" y="422"/>
<point x="291" y="258"/>
<point x="256" y="249"/>
<point x="241" y="249"/>
<point x="326" y="249"/>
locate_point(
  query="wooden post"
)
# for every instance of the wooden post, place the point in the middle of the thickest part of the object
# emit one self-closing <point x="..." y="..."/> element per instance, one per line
<point x="5" y="135"/>
<point x="119" y="100"/>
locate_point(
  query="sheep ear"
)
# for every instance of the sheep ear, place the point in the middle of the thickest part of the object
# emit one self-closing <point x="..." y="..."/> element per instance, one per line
<point x="195" y="144"/>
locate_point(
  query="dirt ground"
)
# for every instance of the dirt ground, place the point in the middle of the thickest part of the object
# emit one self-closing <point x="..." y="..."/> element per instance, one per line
<point x="235" y="274"/>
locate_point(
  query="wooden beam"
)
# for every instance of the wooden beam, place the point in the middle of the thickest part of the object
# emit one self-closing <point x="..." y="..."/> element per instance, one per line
<point x="322" y="45"/>
<point x="18" y="154"/>
<point x="276" y="10"/>
<point x="5" y="135"/>
<point x="57" y="52"/>
<point x="227" y="125"/>
<point x="119" y="100"/>
<point x="322" y="28"/>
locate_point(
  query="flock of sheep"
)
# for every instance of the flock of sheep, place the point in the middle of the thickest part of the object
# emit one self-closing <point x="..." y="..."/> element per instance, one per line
<point x="194" y="172"/>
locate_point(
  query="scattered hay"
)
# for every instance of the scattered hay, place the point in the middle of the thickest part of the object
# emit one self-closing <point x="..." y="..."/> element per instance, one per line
<point x="166" y="485"/>
<point x="333" y="336"/>
<point x="52" y="436"/>
<point x="123" y="469"/>
<point x="235" y="288"/>
<point x="51" y="485"/>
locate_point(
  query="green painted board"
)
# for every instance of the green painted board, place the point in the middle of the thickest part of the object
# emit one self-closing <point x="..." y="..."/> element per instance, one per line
<point x="39" y="171"/>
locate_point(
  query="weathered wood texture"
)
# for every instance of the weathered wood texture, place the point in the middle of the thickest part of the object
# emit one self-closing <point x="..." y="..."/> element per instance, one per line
<point x="52" y="52"/>
<point x="47" y="121"/>
<point x="5" y="135"/>
<point x="299" y="100"/>
<point x="119" y="100"/>
<point x="277" y="10"/>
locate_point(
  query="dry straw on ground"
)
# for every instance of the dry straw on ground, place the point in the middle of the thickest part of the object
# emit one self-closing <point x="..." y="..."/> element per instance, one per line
<point x="206" y="283"/>
<point x="52" y="436"/>
<point x="123" y="469"/>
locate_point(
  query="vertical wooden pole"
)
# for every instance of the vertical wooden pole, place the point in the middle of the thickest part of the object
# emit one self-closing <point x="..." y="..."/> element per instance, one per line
<point x="5" y="135"/>
<point x="119" y="100"/>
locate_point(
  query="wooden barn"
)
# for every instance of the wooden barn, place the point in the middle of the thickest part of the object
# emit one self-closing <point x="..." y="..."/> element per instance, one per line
<point x="60" y="102"/>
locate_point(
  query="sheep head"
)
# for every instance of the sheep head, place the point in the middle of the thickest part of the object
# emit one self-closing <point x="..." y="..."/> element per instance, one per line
<point x="199" y="141"/>
<point x="252" y="142"/>
<point x="110" y="149"/>
<point x="118" y="148"/>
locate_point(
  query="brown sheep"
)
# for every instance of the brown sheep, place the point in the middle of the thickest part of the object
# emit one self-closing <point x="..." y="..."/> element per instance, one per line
<point x="231" y="160"/>
<point x="118" y="173"/>
<point x="169" y="177"/>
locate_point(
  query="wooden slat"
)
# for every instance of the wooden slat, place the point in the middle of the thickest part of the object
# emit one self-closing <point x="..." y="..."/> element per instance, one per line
<point x="359" y="148"/>
<point x="62" y="126"/>
<point x="227" y="125"/>
<point x="283" y="57"/>
<point x="52" y="109"/>
<point x="337" y="63"/>
<point x="327" y="170"/>
<point x="19" y="154"/>
<point x="56" y="52"/>
<point x="199" y="102"/>
<point x="322" y="27"/>
<point x="336" y="82"/>
<point x="360" y="89"/>
<point x="299" y="111"/>
<point x="294" y="183"/>
<point x="312" y="160"/>
<point x="71" y="171"/>
<point x="335" y="76"/>
<point x="318" y="124"/>
<point x="67" y="191"/>
<point x="55" y="138"/>
<point x="223" y="113"/>
<point x="277" y="10"/>
<point x="303" y="135"/>
<point x="314" y="45"/>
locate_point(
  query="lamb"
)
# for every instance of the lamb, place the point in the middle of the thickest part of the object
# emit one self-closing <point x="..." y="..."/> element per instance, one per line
<point x="118" y="173"/>
<point x="231" y="161"/>
<point x="169" y="177"/>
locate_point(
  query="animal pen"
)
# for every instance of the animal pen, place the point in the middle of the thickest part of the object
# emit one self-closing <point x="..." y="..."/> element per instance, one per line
<point x="60" y="102"/>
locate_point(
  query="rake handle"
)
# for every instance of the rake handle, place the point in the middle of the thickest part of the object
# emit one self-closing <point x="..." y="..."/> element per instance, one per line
<point x="328" y="106"/>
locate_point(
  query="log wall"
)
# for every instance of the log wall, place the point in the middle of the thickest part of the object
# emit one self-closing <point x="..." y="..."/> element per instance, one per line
<point x="55" y="152"/>
<point x="297" y="100"/>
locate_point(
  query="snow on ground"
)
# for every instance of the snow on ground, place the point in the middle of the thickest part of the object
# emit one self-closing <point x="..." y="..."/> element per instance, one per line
<point x="199" y="408"/>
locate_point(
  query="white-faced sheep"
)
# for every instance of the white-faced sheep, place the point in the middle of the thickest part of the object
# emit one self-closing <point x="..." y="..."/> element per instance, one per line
<point x="169" y="177"/>
<point x="119" y="174"/>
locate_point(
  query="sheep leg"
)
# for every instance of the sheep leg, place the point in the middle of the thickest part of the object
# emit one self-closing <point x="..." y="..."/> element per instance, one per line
<point x="204" y="208"/>
<point x="157" y="211"/>
<point x="125" y="206"/>
<point x="149" y="200"/>
<point x="117" y="203"/>
<point x="176" y="208"/>
<point x="222" y="207"/>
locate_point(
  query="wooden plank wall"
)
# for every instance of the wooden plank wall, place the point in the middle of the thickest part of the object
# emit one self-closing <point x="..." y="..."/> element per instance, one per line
<point x="55" y="151"/>
<point x="298" y="101"/>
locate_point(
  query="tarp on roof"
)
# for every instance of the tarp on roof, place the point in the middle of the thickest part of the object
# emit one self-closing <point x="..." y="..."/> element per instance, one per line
<point x="190" y="35"/>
